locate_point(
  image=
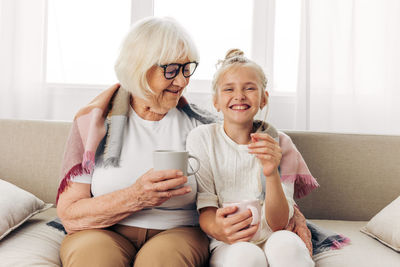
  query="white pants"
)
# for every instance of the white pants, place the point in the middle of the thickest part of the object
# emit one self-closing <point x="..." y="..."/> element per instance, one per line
<point x="282" y="249"/>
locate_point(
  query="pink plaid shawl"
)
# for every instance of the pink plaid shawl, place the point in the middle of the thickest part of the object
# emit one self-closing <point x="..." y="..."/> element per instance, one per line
<point x="294" y="169"/>
<point x="89" y="129"/>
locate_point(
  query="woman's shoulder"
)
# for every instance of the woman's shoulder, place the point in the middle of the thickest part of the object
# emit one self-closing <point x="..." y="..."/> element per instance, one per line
<point x="265" y="127"/>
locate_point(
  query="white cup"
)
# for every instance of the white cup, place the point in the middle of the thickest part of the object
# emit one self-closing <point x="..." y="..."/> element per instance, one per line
<point x="172" y="159"/>
<point x="243" y="205"/>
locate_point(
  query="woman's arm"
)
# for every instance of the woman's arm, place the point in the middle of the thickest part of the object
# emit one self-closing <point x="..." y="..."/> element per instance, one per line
<point x="78" y="210"/>
<point x="232" y="229"/>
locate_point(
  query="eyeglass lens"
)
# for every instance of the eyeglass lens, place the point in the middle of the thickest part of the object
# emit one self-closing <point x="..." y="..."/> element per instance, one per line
<point x="172" y="70"/>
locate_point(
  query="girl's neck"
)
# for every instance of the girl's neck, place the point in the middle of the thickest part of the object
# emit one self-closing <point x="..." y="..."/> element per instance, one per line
<point x="239" y="133"/>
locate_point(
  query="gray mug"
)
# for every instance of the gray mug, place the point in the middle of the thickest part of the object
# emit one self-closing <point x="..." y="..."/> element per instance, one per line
<point x="173" y="159"/>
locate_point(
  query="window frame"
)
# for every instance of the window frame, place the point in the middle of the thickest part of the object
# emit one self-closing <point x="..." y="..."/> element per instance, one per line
<point x="262" y="50"/>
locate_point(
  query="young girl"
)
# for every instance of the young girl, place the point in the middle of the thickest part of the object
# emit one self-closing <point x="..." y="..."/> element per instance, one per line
<point x="240" y="159"/>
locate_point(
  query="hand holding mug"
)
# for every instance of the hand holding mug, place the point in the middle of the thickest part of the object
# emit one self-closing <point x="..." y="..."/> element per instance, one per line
<point x="252" y="205"/>
<point x="155" y="187"/>
<point x="236" y="222"/>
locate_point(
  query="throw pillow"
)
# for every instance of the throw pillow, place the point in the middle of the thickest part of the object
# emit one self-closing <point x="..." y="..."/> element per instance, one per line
<point x="16" y="206"/>
<point x="384" y="226"/>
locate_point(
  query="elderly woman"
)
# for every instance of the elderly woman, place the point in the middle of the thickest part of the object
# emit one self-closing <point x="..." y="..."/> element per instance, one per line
<point x="115" y="208"/>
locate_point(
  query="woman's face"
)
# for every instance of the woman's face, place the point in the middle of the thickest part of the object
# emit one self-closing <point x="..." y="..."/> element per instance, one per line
<point x="167" y="91"/>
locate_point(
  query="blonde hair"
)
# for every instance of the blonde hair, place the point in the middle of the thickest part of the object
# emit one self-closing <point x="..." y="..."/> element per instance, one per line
<point x="151" y="41"/>
<point x="235" y="58"/>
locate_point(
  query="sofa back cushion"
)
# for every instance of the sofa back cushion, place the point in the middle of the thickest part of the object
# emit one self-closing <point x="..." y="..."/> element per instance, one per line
<point x="358" y="174"/>
<point x="31" y="154"/>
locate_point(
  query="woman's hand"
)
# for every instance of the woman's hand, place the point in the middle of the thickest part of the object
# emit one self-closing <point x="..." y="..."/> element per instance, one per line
<point x="298" y="225"/>
<point x="267" y="150"/>
<point x="232" y="229"/>
<point x="155" y="187"/>
<point x="79" y="211"/>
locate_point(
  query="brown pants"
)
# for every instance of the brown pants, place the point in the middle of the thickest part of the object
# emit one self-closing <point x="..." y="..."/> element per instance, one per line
<point x="126" y="246"/>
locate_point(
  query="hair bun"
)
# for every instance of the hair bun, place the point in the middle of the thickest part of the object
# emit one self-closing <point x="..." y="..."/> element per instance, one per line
<point x="235" y="52"/>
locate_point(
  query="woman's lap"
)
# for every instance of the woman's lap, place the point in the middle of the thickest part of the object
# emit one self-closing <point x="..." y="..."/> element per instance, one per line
<point x="185" y="246"/>
<point x="96" y="247"/>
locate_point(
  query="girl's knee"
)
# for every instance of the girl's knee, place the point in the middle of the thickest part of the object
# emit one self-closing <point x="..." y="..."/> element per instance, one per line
<point x="286" y="248"/>
<point x="243" y="254"/>
<point x="282" y="239"/>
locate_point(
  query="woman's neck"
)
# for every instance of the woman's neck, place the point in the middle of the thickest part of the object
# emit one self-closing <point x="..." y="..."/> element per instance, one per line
<point x="144" y="110"/>
<point x="239" y="133"/>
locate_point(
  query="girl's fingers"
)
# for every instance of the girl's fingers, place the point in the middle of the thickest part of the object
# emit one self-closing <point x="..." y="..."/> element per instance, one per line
<point x="266" y="153"/>
<point x="264" y="157"/>
<point x="240" y="217"/>
<point x="242" y="225"/>
<point x="262" y="136"/>
<point x="223" y="212"/>
<point x="268" y="156"/>
<point x="262" y="150"/>
<point x="263" y="144"/>
<point x="245" y="234"/>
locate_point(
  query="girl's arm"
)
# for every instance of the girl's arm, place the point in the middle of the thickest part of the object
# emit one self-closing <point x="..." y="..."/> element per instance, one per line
<point x="276" y="205"/>
<point x="269" y="153"/>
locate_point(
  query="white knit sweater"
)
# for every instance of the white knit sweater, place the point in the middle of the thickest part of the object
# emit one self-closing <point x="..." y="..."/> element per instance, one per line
<point x="228" y="172"/>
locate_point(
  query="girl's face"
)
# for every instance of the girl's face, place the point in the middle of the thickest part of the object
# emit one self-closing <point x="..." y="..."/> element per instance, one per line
<point x="239" y="96"/>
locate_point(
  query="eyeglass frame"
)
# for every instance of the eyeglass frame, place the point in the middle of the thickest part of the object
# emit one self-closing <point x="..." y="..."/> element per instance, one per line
<point x="181" y="67"/>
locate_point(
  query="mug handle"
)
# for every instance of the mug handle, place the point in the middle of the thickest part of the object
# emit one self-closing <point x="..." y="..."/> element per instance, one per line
<point x="198" y="165"/>
<point x="256" y="216"/>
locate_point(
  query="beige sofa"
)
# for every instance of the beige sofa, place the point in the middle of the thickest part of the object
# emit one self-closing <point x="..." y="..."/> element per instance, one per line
<point x="358" y="174"/>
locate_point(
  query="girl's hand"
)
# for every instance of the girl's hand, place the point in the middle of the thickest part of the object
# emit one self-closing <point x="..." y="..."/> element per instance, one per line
<point x="234" y="228"/>
<point x="267" y="150"/>
<point x="155" y="187"/>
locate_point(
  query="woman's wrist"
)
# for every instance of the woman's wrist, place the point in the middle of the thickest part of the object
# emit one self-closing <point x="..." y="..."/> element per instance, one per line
<point x="134" y="201"/>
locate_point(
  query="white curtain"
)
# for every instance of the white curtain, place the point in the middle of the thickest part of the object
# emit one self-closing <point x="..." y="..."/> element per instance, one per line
<point x="349" y="75"/>
<point x="22" y="44"/>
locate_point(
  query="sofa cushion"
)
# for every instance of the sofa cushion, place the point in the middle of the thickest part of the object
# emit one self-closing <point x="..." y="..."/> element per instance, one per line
<point x="362" y="251"/>
<point x="17" y="206"/>
<point x="33" y="244"/>
<point x="385" y="226"/>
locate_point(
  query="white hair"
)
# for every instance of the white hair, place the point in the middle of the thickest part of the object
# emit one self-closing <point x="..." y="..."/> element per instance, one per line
<point x="151" y="41"/>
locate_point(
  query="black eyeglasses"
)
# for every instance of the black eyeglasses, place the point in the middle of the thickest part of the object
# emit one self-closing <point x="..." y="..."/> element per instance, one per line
<point x="172" y="70"/>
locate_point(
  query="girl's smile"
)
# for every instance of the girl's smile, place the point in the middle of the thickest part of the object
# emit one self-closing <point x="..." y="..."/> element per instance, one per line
<point x="239" y="96"/>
